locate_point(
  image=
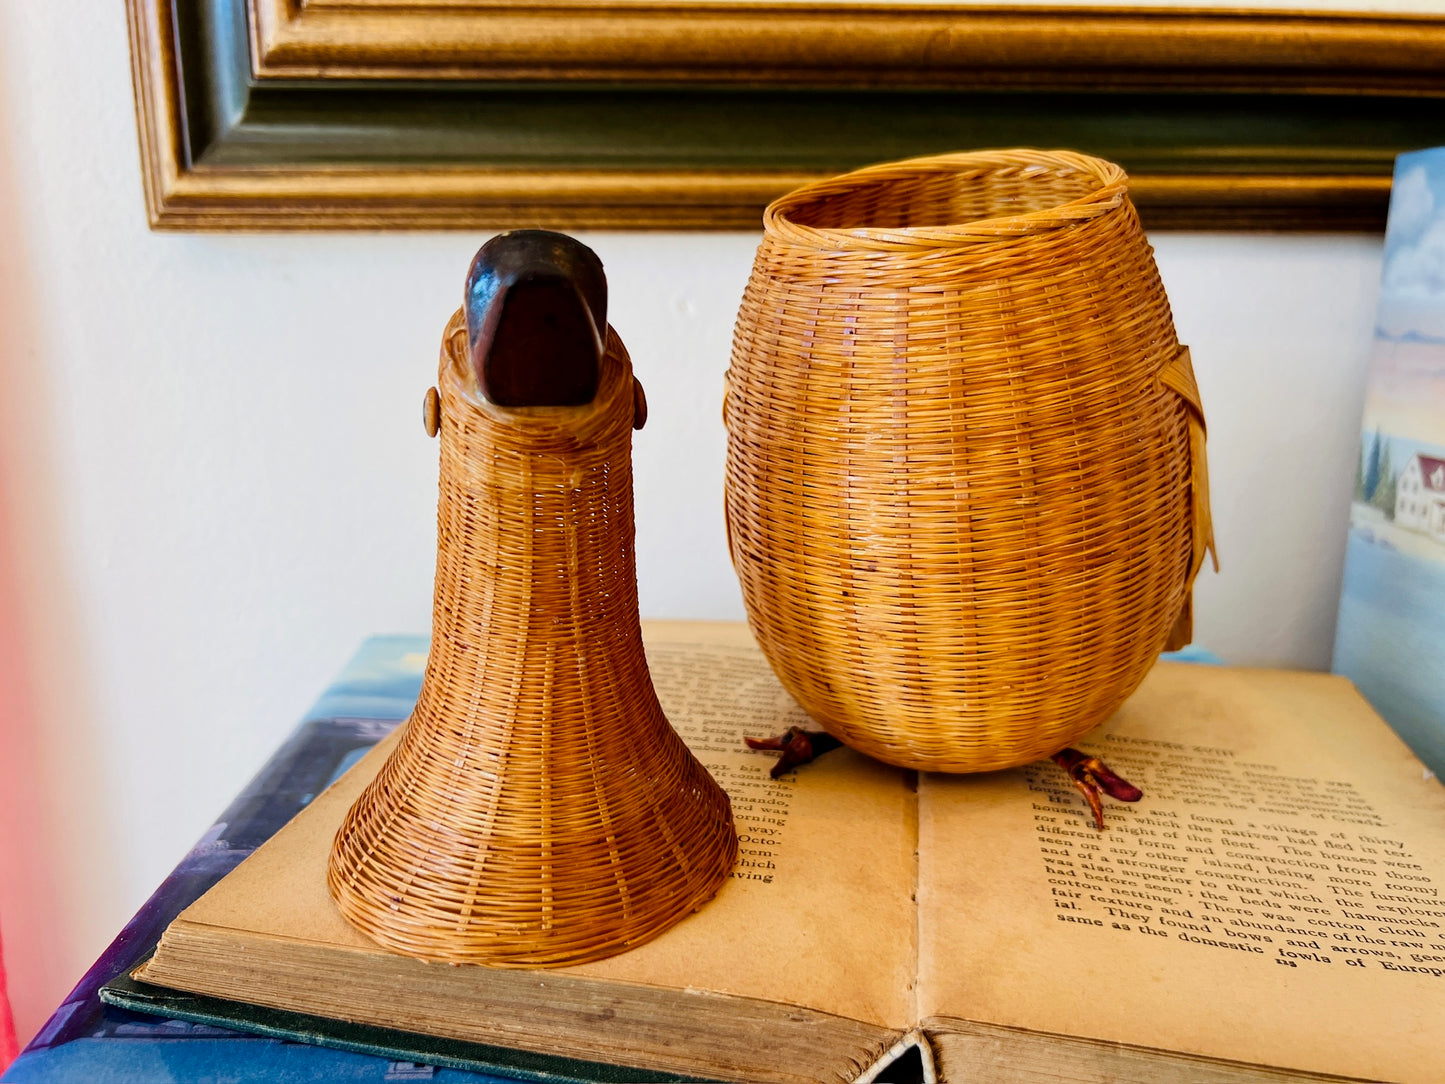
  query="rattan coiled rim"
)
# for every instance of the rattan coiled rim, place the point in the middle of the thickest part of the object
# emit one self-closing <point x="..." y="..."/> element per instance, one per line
<point x="1105" y="189"/>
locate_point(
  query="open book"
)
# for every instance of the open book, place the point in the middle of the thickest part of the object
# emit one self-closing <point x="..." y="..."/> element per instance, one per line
<point x="1272" y="906"/>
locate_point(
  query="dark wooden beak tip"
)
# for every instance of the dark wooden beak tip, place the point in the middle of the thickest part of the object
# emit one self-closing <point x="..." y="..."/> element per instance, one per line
<point x="536" y="309"/>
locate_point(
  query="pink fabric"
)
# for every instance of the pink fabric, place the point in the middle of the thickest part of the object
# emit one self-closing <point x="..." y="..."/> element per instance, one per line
<point x="7" y="1023"/>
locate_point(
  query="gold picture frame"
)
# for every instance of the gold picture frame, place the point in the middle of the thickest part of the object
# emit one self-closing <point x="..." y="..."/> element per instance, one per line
<point x="692" y="114"/>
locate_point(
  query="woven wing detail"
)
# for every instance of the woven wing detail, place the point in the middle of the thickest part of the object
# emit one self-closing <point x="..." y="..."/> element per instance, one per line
<point x="1178" y="377"/>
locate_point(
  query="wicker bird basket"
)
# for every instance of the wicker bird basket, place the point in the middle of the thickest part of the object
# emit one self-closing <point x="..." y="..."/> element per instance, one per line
<point x="539" y="809"/>
<point x="966" y="490"/>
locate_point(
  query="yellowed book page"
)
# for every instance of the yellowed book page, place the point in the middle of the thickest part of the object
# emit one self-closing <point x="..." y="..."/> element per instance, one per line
<point x="817" y="913"/>
<point x="1274" y="899"/>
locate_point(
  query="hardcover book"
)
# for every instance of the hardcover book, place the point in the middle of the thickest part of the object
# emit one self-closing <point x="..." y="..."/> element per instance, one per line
<point x="1270" y="909"/>
<point x="85" y="1040"/>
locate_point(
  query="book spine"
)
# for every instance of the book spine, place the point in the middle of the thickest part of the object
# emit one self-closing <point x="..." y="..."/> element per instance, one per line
<point x="7" y="1021"/>
<point x="305" y="765"/>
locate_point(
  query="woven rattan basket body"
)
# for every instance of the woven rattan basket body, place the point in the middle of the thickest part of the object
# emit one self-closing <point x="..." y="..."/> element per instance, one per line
<point x="539" y="809"/>
<point x="966" y="492"/>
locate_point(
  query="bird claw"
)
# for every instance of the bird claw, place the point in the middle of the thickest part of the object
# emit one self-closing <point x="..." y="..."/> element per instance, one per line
<point x="1091" y="775"/>
<point x="1088" y="773"/>
<point x="797" y="745"/>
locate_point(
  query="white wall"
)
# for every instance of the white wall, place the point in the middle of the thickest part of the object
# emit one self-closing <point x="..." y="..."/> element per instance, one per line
<point x="215" y="481"/>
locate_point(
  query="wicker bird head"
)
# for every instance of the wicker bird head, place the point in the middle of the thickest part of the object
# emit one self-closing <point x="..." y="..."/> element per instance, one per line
<point x="966" y="488"/>
<point x="539" y="810"/>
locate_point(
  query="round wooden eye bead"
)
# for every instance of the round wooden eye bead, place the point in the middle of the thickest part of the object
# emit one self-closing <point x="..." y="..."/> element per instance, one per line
<point x="639" y="404"/>
<point x="431" y="412"/>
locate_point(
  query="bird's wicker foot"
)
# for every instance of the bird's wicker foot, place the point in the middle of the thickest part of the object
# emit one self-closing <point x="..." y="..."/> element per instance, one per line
<point x="1091" y="775"/>
<point x="797" y="745"/>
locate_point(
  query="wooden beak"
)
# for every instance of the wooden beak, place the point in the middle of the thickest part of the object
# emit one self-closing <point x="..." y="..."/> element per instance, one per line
<point x="536" y="308"/>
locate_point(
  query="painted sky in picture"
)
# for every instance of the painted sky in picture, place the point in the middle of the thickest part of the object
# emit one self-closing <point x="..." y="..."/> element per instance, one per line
<point x="1407" y="374"/>
<point x="1412" y="289"/>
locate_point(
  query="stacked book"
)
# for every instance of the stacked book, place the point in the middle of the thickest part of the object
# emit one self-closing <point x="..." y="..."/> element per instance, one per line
<point x="1270" y="910"/>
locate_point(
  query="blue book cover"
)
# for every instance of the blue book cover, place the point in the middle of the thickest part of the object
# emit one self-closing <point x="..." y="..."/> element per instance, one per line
<point x="89" y="1040"/>
<point x="1390" y="638"/>
<point x="86" y="1040"/>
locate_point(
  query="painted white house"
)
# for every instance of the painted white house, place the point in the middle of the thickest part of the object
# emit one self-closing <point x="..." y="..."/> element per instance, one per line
<point x="1420" y="496"/>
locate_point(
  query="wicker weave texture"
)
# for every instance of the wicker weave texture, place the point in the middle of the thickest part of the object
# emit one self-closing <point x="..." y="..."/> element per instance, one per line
<point x="539" y="809"/>
<point x="966" y="492"/>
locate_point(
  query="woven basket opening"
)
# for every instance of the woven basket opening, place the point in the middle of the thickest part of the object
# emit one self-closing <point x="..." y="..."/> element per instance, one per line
<point x="943" y="198"/>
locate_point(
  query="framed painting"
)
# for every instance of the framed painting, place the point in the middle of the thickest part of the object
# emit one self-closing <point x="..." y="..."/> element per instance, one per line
<point x="692" y="114"/>
<point x="1390" y="636"/>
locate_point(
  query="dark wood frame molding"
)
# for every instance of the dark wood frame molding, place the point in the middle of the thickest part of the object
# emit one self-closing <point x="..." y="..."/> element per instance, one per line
<point x="691" y="114"/>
